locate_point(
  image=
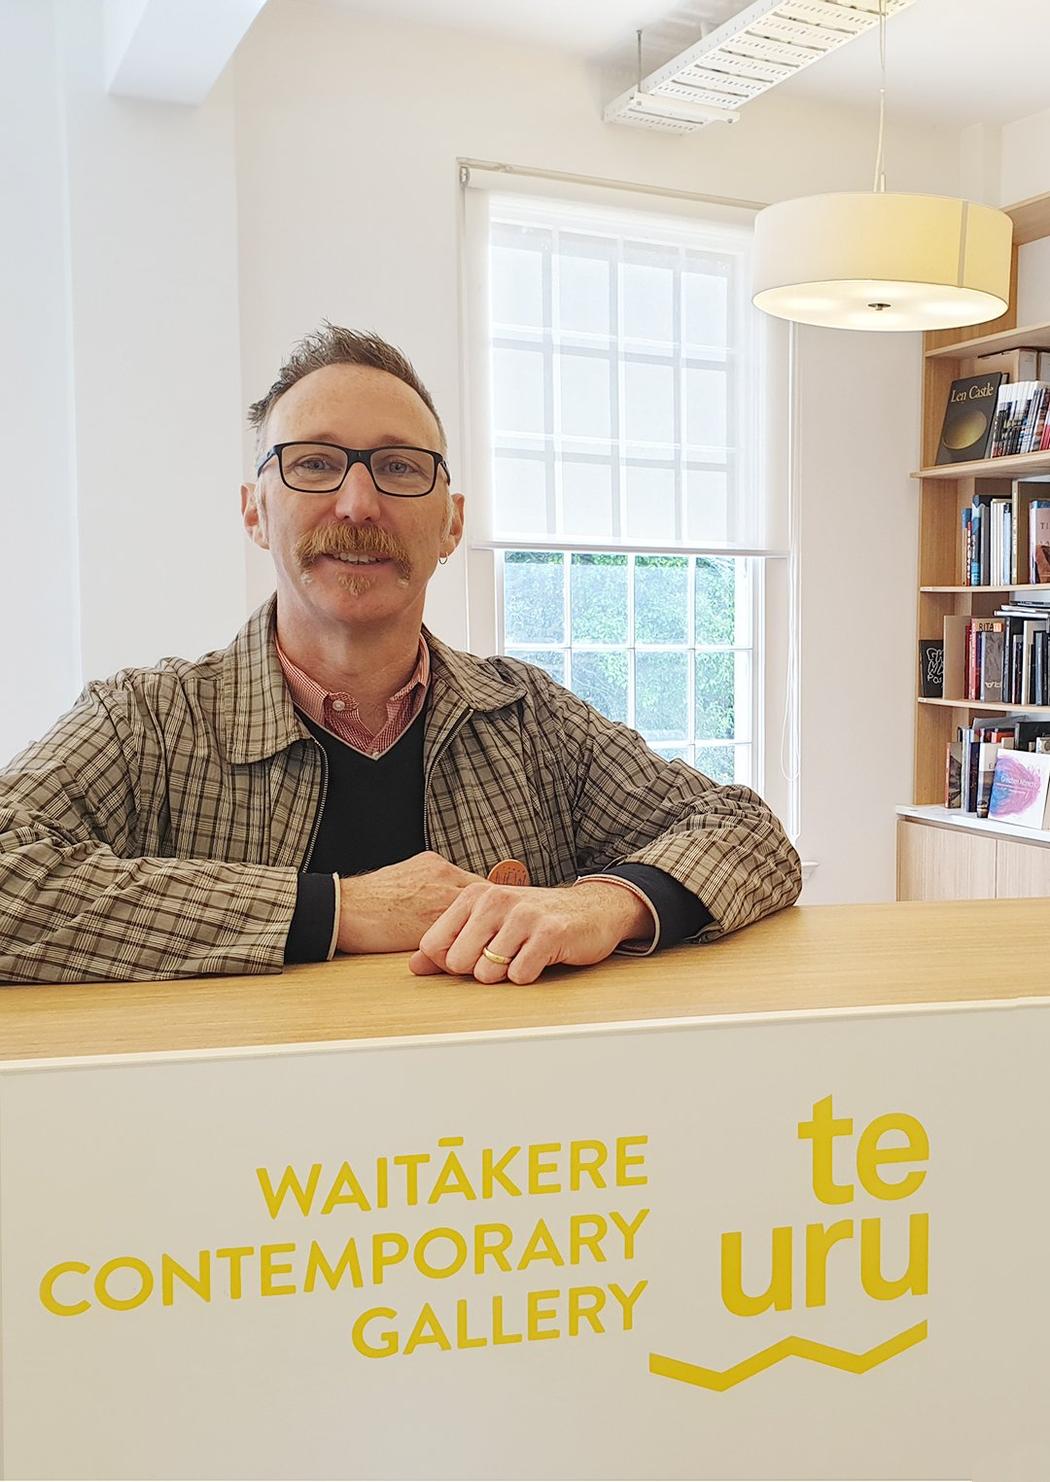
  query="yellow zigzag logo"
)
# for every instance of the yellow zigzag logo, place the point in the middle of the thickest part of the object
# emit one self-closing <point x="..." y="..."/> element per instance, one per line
<point x="818" y="1353"/>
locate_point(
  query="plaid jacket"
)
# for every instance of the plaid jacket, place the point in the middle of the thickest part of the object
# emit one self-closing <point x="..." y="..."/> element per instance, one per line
<point x="158" y="829"/>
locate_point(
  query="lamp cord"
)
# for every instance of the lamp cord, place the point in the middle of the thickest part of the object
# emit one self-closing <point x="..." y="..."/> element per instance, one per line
<point x="880" y="168"/>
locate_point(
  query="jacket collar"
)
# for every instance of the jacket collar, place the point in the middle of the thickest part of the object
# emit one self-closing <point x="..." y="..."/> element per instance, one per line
<point x="258" y="718"/>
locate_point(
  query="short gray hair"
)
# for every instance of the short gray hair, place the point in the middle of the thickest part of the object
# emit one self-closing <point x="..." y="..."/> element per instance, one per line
<point x="334" y="345"/>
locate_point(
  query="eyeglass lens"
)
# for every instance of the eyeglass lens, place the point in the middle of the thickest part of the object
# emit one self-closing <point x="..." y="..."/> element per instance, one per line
<point x="316" y="468"/>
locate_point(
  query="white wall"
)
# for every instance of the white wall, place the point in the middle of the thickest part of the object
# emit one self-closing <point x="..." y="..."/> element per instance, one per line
<point x="39" y="597"/>
<point x="190" y="280"/>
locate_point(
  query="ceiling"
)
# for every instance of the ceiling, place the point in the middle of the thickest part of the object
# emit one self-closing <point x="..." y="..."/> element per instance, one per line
<point x="952" y="62"/>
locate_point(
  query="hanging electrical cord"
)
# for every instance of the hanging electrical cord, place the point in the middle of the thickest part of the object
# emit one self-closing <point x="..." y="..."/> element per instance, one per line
<point x="880" y="167"/>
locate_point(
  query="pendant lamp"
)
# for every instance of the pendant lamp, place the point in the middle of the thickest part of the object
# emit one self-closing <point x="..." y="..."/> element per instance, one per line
<point x="882" y="261"/>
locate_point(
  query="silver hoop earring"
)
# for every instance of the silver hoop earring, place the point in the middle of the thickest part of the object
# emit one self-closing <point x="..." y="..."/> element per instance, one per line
<point x="442" y="560"/>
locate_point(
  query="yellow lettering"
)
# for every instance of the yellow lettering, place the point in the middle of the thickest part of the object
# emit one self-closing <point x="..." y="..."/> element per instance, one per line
<point x="498" y="1334"/>
<point x="917" y="1277"/>
<point x="304" y="1197"/>
<point x="819" y="1241"/>
<point x="535" y="1314"/>
<point x="538" y="1167"/>
<point x="627" y="1301"/>
<point x="268" y="1269"/>
<point x="411" y="1163"/>
<point x="398" y="1248"/>
<point x="504" y="1235"/>
<point x="235" y="1254"/>
<point x="47" y="1290"/>
<point x="626" y="1159"/>
<point x="628" y="1231"/>
<point x="587" y="1157"/>
<point x="493" y="1173"/>
<point x="540" y="1247"/>
<point x="577" y="1311"/>
<point x="427" y="1330"/>
<point x="201" y="1283"/>
<point x="869" y="1155"/>
<point x="578" y="1238"/>
<point x="316" y="1263"/>
<point x="463" y="1338"/>
<point x="346" y="1190"/>
<point x="388" y="1339"/>
<point x="127" y="1263"/>
<point x="452" y="1179"/>
<point x="459" y="1247"/>
<point x="777" y="1295"/>
<point x="823" y="1129"/>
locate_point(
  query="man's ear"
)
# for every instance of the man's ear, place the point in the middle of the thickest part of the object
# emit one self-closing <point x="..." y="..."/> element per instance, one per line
<point x="454" y="533"/>
<point x="253" y="513"/>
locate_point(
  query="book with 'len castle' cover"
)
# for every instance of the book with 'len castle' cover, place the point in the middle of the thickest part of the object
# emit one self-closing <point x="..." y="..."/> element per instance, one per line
<point x="966" y="433"/>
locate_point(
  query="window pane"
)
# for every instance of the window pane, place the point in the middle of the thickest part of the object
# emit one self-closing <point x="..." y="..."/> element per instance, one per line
<point x="520" y="495"/>
<point x="650" y="505"/>
<point x="599" y="600"/>
<point x="649" y="410"/>
<point x="661" y="599"/>
<point x="550" y="659"/>
<point x="517" y="390"/>
<point x="661" y="690"/>
<point x="648" y="302"/>
<point x="716" y="762"/>
<point x="601" y="680"/>
<point x="704" y="305"/>
<point x="583" y="298"/>
<point x="586" y="396"/>
<point x="715" y="696"/>
<point x="533" y="597"/>
<point x="706" y="505"/>
<point x="587" y="499"/>
<point x="669" y="753"/>
<point x="517" y="288"/>
<point x="705" y="408"/>
<point x="715" y="599"/>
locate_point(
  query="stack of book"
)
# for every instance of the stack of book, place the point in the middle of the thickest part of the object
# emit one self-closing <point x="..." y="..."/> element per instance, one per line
<point x="1019" y="423"/>
<point x="995" y="553"/>
<point x="1002" y="659"/>
<point x="971" y="759"/>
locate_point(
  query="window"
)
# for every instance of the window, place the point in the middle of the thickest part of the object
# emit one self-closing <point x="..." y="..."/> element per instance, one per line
<point x="626" y="517"/>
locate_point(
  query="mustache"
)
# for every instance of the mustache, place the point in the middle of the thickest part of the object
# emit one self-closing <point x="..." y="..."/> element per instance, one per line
<point x="344" y="541"/>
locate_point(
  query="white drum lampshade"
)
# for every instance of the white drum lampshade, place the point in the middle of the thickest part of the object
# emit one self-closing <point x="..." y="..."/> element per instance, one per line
<point x="875" y="260"/>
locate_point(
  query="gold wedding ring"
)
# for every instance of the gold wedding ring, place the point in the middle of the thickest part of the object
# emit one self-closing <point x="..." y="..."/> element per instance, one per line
<point x="496" y="957"/>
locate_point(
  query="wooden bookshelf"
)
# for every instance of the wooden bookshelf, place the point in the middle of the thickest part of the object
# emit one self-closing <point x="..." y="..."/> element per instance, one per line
<point x="944" y="491"/>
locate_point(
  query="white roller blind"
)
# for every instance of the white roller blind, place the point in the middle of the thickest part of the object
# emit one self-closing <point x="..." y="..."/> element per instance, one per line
<point x="622" y="390"/>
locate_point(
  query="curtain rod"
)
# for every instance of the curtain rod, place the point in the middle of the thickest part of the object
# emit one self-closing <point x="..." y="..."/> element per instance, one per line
<point x="466" y="165"/>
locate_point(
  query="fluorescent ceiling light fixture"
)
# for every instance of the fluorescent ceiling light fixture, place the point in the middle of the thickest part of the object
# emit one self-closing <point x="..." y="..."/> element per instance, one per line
<point x="768" y="42"/>
<point x="874" y="260"/>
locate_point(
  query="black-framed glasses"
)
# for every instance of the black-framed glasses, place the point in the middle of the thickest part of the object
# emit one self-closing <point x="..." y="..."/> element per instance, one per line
<point x="320" y="468"/>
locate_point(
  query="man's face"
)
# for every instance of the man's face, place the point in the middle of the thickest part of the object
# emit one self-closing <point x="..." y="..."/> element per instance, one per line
<point x="356" y="407"/>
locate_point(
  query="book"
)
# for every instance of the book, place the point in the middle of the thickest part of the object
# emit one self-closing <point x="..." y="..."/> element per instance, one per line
<point x="953" y="775"/>
<point x="1019" y="788"/>
<point x="1021" y="364"/>
<point x="966" y="430"/>
<point x="986" y="762"/>
<point x="931" y="668"/>
<point x="990" y="674"/>
<point x="1039" y="540"/>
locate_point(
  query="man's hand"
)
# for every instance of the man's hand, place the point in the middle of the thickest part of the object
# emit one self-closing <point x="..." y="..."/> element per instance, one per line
<point x="389" y="910"/>
<point x="533" y="926"/>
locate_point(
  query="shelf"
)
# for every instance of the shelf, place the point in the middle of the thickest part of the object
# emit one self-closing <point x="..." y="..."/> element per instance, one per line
<point x="956" y="818"/>
<point x="996" y="705"/>
<point x="1034" y="336"/>
<point x="1021" y="465"/>
<point x="1041" y="586"/>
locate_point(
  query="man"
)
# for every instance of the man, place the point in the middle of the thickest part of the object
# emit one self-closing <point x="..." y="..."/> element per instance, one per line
<point x="338" y="779"/>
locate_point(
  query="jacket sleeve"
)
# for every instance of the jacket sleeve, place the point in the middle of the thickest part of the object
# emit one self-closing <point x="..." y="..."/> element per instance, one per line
<point x="629" y="805"/>
<point x="78" y="903"/>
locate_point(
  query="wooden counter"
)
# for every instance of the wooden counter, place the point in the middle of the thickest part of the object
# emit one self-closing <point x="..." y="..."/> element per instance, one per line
<point x="811" y="957"/>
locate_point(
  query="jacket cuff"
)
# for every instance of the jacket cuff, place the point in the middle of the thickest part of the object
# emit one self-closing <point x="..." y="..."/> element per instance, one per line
<point x="678" y="912"/>
<point x="312" y="932"/>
